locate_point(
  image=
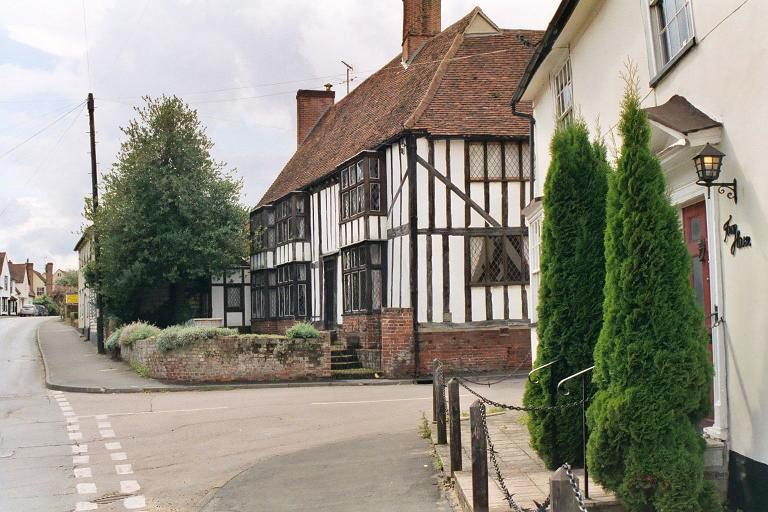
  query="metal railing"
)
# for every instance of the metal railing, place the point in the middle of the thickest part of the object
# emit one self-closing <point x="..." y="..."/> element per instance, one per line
<point x="583" y="375"/>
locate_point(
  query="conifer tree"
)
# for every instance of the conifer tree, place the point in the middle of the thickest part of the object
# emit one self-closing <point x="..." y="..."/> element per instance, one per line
<point x="571" y="291"/>
<point x="651" y="367"/>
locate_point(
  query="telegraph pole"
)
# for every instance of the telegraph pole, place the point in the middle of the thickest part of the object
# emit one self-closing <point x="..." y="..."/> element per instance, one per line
<point x="95" y="192"/>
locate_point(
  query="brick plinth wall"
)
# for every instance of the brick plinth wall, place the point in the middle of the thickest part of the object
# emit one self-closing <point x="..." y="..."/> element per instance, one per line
<point x="467" y="350"/>
<point x="397" y="359"/>
<point x="271" y="326"/>
<point x="234" y="359"/>
<point x="361" y="331"/>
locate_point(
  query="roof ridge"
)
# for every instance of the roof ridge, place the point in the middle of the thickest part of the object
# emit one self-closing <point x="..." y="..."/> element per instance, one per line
<point x="437" y="79"/>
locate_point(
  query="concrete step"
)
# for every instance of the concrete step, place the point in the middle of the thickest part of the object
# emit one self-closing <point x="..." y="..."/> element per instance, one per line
<point x="341" y="358"/>
<point x="345" y="365"/>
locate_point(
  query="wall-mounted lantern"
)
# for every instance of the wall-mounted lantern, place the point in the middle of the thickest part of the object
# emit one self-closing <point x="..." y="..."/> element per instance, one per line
<point x="708" y="163"/>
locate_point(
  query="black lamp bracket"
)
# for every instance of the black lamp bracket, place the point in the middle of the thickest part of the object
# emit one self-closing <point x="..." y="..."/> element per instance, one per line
<point x="729" y="189"/>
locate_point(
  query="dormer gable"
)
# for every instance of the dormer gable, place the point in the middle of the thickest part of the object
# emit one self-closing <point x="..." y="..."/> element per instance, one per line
<point x="481" y="25"/>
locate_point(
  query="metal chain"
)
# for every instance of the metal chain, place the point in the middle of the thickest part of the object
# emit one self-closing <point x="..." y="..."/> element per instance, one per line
<point x="492" y="454"/>
<point x="488" y="401"/>
<point x="544" y="506"/>
<point x="575" y="486"/>
<point x="512" y="375"/>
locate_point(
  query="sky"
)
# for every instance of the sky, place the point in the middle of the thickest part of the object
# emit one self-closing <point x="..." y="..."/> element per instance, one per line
<point x="237" y="62"/>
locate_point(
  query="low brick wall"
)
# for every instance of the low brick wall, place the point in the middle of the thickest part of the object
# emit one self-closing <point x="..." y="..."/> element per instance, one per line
<point x="271" y="326"/>
<point x="361" y="331"/>
<point x="475" y="350"/>
<point x="234" y="359"/>
<point x="397" y="358"/>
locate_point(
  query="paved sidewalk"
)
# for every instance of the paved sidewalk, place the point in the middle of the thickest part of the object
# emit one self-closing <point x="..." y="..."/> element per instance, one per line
<point x="73" y="364"/>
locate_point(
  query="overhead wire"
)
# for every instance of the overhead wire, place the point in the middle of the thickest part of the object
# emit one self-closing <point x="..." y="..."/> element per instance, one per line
<point x="43" y="129"/>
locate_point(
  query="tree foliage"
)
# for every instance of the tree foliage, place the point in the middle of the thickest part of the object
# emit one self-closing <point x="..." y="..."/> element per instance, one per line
<point x="68" y="278"/>
<point x="170" y="215"/>
<point x="571" y="291"/>
<point x="651" y="366"/>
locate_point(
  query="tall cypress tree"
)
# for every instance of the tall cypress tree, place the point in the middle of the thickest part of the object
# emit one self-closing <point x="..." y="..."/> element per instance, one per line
<point x="571" y="292"/>
<point x="651" y="366"/>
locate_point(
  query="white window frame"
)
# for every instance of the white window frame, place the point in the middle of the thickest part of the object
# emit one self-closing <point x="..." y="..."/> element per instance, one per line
<point x="658" y="43"/>
<point x="561" y="81"/>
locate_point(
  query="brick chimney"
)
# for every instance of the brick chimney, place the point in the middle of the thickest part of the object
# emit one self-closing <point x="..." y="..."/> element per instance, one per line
<point x="421" y="21"/>
<point x="310" y="107"/>
<point x="49" y="279"/>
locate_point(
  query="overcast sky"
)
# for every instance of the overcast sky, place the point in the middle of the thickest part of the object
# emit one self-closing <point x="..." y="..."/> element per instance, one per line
<point x="238" y="63"/>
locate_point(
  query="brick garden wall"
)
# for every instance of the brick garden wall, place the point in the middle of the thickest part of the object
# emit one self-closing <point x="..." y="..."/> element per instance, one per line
<point x="467" y="350"/>
<point x="397" y="358"/>
<point x="271" y="326"/>
<point x="361" y="331"/>
<point x="235" y="359"/>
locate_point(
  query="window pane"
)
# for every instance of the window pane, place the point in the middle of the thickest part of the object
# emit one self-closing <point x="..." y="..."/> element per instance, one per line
<point x="376" y="254"/>
<point x="355" y="292"/>
<point x="512" y="159"/>
<point x="361" y="198"/>
<point x="376" y="288"/>
<point x="272" y="302"/>
<point x="359" y="167"/>
<point x="375" y="197"/>
<point x="344" y="176"/>
<point x="374" y="162"/>
<point x="352" y="175"/>
<point x="347" y="292"/>
<point x="270" y="217"/>
<point x="300" y="201"/>
<point x="526" y="164"/>
<point x="353" y="201"/>
<point x="301" y="300"/>
<point x="302" y="272"/>
<point x="300" y="227"/>
<point x="494" y="160"/>
<point x="345" y="201"/>
<point x="476" y="161"/>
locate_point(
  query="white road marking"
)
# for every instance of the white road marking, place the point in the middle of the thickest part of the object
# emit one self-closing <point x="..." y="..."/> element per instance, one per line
<point x="112" y="446"/>
<point x="134" y="502"/>
<point x="129" y="486"/>
<point x="57" y="392"/>
<point x="80" y="459"/>
<point x="64" y="403"/>
<point x="82" y="506"/>
<point x="169" y="411"/>
<point x="68" y="413"/>
<point x="88" y="488"/>
<point x="74" y="427"/>
<point x="118" y="456"/>
<point x="104" y="424"/>
<point x="66" y="408"/>
<point x="75" y="436"/>
<point x="123" y="469"/>
<point x="107" y="434"/>
<point x="60" y="398"/>
<point x="83" y="473"/>
<point x="73" y="419"/>
<point x="80" y="448"/>
<point x="377" y="401"/>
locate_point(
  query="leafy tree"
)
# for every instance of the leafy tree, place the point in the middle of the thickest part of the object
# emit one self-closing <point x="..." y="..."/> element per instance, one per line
<point x="69" y="278"/>
<point x="170" y="216"/>
<point x="48" y="302"/>
<point x="651" y="366"/>
<point x="571" y="292"/>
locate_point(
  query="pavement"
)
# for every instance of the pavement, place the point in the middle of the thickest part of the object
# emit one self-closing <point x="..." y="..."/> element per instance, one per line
<point x="280" y="449"/>
<point x="73" y="364"/>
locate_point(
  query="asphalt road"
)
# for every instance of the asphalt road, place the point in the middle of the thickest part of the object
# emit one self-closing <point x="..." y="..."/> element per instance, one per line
<point x="316" y="448"/>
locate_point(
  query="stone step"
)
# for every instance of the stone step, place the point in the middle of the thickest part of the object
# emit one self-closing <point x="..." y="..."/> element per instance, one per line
<point x="354" y="373"/>
<point x="342" y="357"/>
<point x="345" y="365"/>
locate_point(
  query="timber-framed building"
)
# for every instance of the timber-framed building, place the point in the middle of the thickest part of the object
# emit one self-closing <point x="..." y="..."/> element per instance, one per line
<point x="397" y="225"/>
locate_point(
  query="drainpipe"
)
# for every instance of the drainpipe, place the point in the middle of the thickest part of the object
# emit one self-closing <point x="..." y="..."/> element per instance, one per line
<point x="531" y="124"/>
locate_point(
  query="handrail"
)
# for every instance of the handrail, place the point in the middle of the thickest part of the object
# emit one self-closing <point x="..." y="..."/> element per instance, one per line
<point x="585" y="370"/>
<point x="540" y="368"/>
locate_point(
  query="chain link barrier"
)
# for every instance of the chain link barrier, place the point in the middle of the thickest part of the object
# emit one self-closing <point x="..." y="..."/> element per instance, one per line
<point x="513" y="374"/>
<point x="492" y="403"/>
<point x="575" y="487"/>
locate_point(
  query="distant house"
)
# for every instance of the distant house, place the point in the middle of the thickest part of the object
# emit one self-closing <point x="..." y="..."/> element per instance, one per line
<point x="86" y="301"/>
<point x="20" y="275"/>
<point x="39" y="284"/>
<point x="6" y="286"/>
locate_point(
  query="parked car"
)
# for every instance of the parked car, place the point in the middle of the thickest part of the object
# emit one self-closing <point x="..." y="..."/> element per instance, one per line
<point x="28" y="310"/>
<point x="41" y="310"/>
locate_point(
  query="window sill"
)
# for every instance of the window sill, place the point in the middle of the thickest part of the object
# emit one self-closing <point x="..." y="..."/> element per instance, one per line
<point x="514" y="179"/>
<point x="507" y="283"/>
<point x="669" y="66"/>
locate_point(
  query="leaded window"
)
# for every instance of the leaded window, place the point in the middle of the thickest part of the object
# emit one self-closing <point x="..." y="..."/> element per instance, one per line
<point x="363" y="277"/>
<point x="562" y="85"/>
<point x="233" y="296"/>
<point x="291" y="218"/>
<point x="361" y="188"/>
<point x="499" y="161"/>
<point x="281" y="293"/>
<point x="498" y="260"/>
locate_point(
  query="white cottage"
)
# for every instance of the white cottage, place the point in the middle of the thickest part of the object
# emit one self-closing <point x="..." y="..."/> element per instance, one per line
<point x="701" y="66"/>
<point x="86" y="300"/>
<point x="397" y="223"/>
<point x="6" y="287"/>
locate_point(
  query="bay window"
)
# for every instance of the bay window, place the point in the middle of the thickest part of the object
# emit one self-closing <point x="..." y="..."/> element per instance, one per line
<point x="363" y="277"/>
<point x="362" y="188"/>
<point x="281" y="293"/>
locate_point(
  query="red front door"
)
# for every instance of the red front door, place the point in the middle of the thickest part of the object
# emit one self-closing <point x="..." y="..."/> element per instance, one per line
<point x="695" y="231"/>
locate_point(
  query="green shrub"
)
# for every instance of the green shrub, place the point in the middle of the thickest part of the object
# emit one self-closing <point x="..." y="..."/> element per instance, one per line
<point x="112" y="342"/>
<point x="178" y="336"/>
<point x="651" y="366"/>
<point x="137" y="331"/>
<point x="571" y="293"/>
<point x="303" y="330"/>
<point x="140" y="369"/>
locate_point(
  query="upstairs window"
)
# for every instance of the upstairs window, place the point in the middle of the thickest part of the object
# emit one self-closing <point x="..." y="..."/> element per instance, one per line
<point x="291" y="219"/>
<point x="499" y="161"/>
<point x="362" y="188"/>
<point x="562" y="85"/>
<point x="671" y="30"/>
<point x="498" y="260"/>
<point x="263" y="230"/>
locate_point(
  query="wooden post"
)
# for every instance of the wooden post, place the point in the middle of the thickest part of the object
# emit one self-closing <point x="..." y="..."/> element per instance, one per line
<point x="561" y="492"/>
<point x="442" y="437"/>
<point x="454" y="411"/>
<point x="435" y="364"/>
<point x="479" y="460"/>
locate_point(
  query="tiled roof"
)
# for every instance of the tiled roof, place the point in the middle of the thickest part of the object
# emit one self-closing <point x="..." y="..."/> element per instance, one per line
<point x="17" y="271"/>
<point x="2" y="260"/>
<point x="455" y="85"/>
